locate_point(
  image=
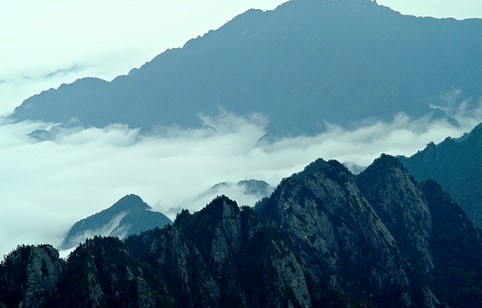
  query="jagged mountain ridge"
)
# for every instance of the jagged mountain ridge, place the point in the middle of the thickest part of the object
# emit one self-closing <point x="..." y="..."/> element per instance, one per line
<point x="324" y="237"/>
<point x="130" y="215"/>
<point x="304" y="63"/>
<point x="457" y="165"/>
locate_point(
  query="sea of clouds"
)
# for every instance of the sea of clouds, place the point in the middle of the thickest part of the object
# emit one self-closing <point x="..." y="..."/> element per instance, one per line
<point x="46" y="186"/>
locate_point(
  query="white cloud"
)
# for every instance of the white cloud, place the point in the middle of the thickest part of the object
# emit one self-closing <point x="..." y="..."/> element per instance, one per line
<point x="46" y="186"/>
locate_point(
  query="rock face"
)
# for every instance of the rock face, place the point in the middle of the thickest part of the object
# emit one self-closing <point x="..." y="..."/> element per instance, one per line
<point x="338" y="236"/>
<point x="400" y="203"/>
<point x="101" y="273"/>
<point x="324" y="238"/>
<point x="237" y="260"/>
<point x="130" y="215"/>
<point x="29" y="276"/>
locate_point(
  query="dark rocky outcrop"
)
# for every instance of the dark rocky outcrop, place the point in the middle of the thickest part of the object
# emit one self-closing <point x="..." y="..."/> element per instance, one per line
<point x="29" y="276"/>
<point x="338" y="236"/>
<point x="324" y="238"/>
<point x="236" y="261"/>
<point x="101" y="273"/>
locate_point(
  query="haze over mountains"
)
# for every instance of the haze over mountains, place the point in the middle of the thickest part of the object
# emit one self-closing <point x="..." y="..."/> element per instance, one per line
<point x="306" y="63"/>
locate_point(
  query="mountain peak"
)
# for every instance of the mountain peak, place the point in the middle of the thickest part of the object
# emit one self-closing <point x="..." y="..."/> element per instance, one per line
<point x="220" y="208"/>
<point x="342" y="61"/>
<point x="130" y="215"/>
<point x="130" y="202"/>
<point x="332" y="169"/>
<point x="385" y="163"/>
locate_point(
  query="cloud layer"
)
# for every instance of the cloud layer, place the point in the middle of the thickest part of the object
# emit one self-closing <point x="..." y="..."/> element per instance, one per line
<point x="46" y="186"/>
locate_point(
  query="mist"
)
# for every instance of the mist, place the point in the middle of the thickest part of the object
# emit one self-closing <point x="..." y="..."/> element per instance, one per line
<point x="46" y="186"/>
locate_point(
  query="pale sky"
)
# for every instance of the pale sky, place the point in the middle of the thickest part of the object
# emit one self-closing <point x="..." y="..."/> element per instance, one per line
<point x="46" y="43"/>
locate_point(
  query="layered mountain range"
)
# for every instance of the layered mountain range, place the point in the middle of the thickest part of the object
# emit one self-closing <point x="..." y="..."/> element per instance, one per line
<point x="306" y="63"/>
<point x="324" y="237"/>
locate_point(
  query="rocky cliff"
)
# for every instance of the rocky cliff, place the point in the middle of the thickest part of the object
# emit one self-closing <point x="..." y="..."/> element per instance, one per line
<point x="339" y="236"/>
<point x="325" y="237"/>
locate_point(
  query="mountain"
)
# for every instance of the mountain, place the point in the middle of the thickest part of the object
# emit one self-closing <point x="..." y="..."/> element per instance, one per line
<point x="252" y="187"/>
<point x="233" y="260"/>
<point x="347" y="248"/>
<point x="305" y="63"/>
<point x="130" y="215"/>
<point x="324" y="238"/>
<point x="457" y="165"/>
<point x="245" y="192"/>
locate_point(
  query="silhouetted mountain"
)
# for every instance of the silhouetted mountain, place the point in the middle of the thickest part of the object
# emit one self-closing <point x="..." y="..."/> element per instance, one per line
<point x="324" y="238"/>
<point x="306" y="62"/>
<point x="457" y="165"/>
<point x="130" y="215"/>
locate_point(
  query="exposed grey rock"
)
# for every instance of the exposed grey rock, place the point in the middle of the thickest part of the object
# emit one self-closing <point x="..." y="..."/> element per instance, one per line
<point x="400" y="203"/>
<point x="30" y="275"/>
<point x="101" y="273"/>
<point x="337" y="235"/>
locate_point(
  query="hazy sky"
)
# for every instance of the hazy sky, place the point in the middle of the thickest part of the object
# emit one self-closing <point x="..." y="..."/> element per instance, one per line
<point x="45" y="187"/>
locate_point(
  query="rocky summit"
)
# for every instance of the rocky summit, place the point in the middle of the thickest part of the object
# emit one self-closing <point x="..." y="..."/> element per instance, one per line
<point x="324" y="238"/>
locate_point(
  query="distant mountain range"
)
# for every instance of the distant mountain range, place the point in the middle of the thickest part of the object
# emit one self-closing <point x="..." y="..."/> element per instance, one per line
<point x="305" y="63"/>
<point x="324" y="238"/>
<point x="130" y="215"/>
<point x="246" y="192"/>
<point x="457" y="165"/>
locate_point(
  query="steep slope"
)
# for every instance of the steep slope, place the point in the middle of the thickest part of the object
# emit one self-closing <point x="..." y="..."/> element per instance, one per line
<point x="236" y="260"/>
<point x="338" y="237"/>
<point x="456" y="249"/>
<point x="101" y="273"/>
<point x="304" y="63"/>
<point x="400" y="203"/>
<point x="457" y="165"/>
<point x="323" y="238"/>
<point x="29" y="276"/>
<point x="130" y="215"/>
